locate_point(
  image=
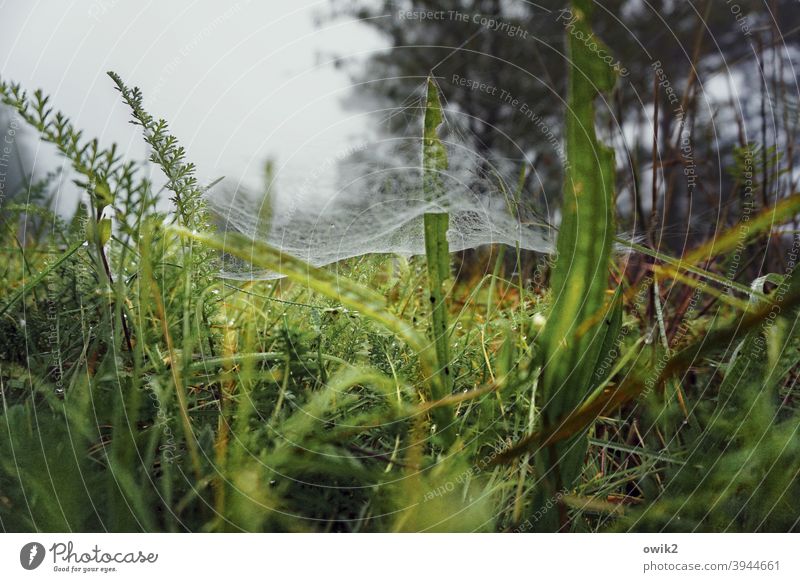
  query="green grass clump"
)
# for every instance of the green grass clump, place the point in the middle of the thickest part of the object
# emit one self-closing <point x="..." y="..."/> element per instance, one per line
<point x="141" y="392"/>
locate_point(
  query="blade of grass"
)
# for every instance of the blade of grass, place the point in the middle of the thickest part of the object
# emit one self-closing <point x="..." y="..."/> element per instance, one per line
<point x="682" y="265"/>
<point x="580" y="276"/>
<point x="437" y="252"/>
<point x="175" y="363"/>
<point x="634" y="384"/>
<point x="41" y="276"/>
<point x="783" y="210"/>
<point x="353" y="296"/>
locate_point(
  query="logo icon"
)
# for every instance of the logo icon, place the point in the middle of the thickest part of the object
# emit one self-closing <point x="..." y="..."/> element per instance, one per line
<point x="31" y="555"/>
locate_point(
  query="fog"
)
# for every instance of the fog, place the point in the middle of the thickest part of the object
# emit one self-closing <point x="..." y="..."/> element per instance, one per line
<point x="239" y="82"/>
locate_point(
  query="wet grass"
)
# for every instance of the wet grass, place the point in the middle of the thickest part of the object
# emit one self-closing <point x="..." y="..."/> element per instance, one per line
<point x="142" y="392"/>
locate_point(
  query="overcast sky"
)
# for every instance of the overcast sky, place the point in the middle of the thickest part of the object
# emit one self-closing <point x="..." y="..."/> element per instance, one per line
<point x="238" y="81"/>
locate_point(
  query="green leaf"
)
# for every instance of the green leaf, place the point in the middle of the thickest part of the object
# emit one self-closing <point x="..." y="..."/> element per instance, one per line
<point x="574" y="335"/>
<point x="437" y="252"/>
<point x="579" y="279"/>
<point x="434" y="154"/>
<point x="102" y="195"/>
<point x="104" y="231"/>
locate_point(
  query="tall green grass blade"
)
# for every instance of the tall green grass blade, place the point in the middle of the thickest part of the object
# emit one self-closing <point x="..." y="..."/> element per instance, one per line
<point x="580" y="276"/>
<point x="579" y="280"/>
<point x="438" y="272"/>
<point x="682" y="265"/>
<point x="437" y="252"/>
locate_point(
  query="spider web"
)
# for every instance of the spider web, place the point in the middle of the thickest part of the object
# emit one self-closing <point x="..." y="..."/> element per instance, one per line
<point x="374" y="202"/>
